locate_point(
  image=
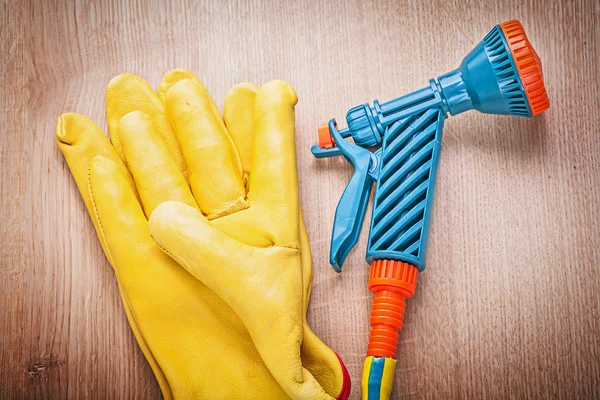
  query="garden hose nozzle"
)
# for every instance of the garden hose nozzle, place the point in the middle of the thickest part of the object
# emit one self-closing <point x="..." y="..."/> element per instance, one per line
<point x="501" y="75"/>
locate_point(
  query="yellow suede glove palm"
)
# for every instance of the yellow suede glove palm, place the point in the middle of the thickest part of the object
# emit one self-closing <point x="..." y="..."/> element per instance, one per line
<point x="239" y="330"/>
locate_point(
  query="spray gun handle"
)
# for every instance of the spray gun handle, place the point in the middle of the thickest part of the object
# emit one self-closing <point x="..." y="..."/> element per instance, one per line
<point x="350" y="211"/>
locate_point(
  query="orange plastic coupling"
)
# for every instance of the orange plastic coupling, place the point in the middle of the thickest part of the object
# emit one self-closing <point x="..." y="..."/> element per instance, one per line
<point x="392" y="282"/>
<point x="325" y="139"/>
<point x="528" y="66"/>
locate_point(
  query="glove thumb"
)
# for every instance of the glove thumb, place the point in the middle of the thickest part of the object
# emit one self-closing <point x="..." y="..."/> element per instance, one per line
<point x="262" y="285"/>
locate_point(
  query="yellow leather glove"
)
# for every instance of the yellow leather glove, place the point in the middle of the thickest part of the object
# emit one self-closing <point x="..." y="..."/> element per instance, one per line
<point x="196" y="344"/>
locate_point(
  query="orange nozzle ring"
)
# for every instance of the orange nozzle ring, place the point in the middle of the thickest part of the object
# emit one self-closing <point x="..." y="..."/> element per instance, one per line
<point x="528" y="66"/>
<point x="392" y="282"/>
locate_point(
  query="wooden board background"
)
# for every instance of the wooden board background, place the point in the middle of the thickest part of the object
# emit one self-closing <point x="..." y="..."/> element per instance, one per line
<point x="509" y="304"/>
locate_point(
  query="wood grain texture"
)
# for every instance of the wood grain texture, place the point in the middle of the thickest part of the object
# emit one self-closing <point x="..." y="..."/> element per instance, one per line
<point x="509" y="304"/>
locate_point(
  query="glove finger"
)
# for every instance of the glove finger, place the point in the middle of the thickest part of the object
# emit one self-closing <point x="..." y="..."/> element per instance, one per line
<point x="126" y="93"/>
<point x="171" y="78"/>
<point x="119" y="216"/>
<point x="156" y="175"/>
<point x="246" y="278"/>
<point x="273" y="176"/>
<point x="79" y="139"/>
<point x="213" y="164"/>
<point x="238" y="113"/>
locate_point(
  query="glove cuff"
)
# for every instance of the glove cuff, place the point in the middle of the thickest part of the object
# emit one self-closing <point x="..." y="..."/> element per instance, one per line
<point x="345" y="392"/>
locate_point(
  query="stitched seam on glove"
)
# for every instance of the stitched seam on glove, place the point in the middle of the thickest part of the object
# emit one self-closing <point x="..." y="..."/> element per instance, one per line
<point x="238" y="205"/>
<point x="97" y="217"/>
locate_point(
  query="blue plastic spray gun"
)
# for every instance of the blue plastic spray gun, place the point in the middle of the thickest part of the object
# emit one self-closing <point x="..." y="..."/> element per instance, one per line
<point x="501" y="75"/>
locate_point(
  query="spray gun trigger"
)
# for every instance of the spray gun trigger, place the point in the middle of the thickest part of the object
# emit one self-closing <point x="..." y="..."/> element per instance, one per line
<point x="350" y="212"/>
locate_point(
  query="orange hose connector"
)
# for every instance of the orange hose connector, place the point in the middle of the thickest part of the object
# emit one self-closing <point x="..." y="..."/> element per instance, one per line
<point x="392" y="282"/>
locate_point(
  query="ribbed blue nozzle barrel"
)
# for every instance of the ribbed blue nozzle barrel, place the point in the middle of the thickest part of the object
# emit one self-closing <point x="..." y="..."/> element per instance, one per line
<point x="487" y="80"/>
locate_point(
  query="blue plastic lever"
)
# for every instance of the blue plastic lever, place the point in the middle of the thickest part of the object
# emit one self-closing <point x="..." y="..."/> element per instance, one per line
<point x="350" y="212"/>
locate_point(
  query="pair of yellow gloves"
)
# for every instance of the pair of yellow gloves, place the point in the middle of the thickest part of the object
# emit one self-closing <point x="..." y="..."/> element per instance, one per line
<point x="200" y="218"/>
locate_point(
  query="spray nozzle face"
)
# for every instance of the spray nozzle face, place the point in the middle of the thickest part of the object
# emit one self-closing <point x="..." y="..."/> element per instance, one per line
<point x="501" y="75"/>
<point x="528" y="64"/>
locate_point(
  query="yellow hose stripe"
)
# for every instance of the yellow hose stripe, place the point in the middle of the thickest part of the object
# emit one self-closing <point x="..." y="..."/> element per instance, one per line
<point x="387" y="379"/>
<point x="365" y="378"/>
